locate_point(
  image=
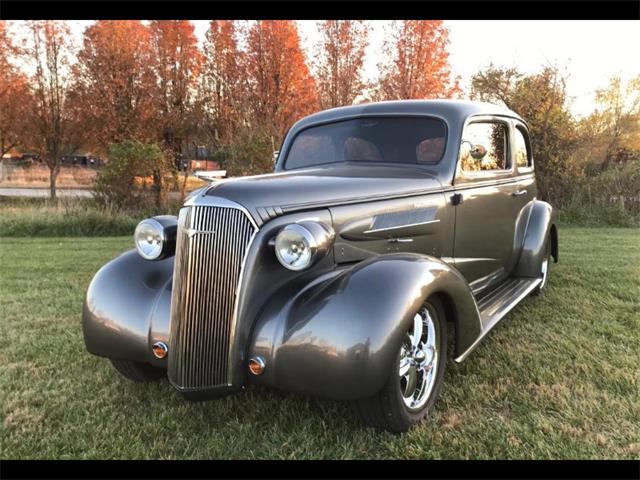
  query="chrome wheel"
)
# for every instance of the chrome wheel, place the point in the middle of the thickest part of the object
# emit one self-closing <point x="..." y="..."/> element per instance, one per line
<point x="544" y="267"/>
<point x="545" y="272"/>
<point x="418" y="361"/>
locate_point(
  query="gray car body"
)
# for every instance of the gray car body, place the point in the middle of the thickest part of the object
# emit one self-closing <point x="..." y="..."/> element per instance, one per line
<point x="335" y="329"/>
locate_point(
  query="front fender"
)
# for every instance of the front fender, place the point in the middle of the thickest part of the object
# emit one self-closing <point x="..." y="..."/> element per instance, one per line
<point x="338" y="336"/>
<point x="540" y="227"/>
<point x="127" y="308"/>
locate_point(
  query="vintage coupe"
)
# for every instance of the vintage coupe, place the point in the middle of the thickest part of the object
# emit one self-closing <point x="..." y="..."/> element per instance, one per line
<point x="385" y="229"/>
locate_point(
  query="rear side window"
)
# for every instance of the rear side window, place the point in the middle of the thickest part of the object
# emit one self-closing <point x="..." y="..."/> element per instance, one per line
<point x="484" y="147"/>
<point x="522" y="153"/>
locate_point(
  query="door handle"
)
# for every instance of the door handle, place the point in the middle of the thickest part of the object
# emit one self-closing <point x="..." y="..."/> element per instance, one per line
<point x="519" y="193"/>
<point x="400" y="240"/>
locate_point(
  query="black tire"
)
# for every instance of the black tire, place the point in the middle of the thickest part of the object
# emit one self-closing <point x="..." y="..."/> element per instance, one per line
<point x="137" y="371"/>
<point x="547" y="270"/>
<point x="386" y="410"/>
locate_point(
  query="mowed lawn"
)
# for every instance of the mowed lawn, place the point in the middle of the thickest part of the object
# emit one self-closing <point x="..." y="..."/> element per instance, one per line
<point x="557" y="378"/>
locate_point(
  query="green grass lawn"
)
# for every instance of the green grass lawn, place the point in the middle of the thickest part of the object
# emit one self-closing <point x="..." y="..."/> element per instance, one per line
<point x="558" y="378"/>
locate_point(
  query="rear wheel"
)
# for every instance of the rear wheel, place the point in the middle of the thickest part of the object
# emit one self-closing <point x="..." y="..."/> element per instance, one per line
<point x="415" y="378"/>
<point x="138" y="371"/>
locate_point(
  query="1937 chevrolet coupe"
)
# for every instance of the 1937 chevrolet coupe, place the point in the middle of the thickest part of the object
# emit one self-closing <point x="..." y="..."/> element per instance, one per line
<point x="385" y="229"/>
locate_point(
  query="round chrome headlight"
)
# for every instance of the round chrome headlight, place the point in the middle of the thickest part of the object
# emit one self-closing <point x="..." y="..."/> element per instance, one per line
<point x="149" y="238"/>
<point x="300" y="245"/>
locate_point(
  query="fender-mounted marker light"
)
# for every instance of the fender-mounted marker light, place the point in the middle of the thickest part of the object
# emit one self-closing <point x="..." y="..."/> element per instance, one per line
<point x="160" y="349"/>
<point x="256" y="365"/>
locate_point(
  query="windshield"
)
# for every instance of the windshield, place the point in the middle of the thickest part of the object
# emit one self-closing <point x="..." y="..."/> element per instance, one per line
<point x="413" y="141"/>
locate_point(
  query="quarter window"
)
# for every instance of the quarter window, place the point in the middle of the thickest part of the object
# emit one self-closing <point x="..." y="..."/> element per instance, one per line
<point x="522" y="154"/>
<point x="484" y="147"/>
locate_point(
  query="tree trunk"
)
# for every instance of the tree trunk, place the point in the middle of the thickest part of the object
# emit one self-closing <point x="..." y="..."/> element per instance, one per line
<point x="184" y="181"/>
<point x="53" y="177"/>
<point x="157" y="183"/>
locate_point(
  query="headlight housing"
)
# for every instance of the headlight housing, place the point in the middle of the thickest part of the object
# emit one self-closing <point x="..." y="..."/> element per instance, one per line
<point x="155" y="238"/>
<point x="300" y="245"/>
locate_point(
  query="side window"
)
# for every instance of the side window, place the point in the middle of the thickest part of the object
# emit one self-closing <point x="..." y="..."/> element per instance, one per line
<point x="522" y="153"/>
<point x="484" y="147"/>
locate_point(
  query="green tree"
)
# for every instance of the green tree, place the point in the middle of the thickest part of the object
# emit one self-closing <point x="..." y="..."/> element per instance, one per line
<point x="126" y="180"/>
<point x="541" y="99"/>
<point x="611" y="133"/>
<point x="251" y="153"/>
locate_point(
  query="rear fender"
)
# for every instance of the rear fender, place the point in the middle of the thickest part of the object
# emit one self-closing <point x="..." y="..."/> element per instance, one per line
<point x="337" y="336"/>
<point x="540" y="227"/>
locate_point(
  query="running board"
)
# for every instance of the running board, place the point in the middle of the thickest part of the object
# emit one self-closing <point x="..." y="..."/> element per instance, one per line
<point x="496" y="304"/>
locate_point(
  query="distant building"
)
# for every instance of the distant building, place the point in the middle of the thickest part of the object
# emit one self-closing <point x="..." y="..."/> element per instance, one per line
<point x="198" y="157"/>
<point x="195" y="165"/>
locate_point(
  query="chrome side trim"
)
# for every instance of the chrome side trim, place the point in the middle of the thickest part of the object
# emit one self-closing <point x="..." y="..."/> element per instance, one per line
<point x="466" y="259"/>
<point x="397" y="227"/>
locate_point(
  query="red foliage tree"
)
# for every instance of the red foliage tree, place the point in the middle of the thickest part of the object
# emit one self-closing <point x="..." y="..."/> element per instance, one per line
<point x="419" y="66"/>
<point x="340" y="55"/>
<point x="280" y="86"/>
<point x="221" y="95"/>
<point x="176" y="64"/>
<point x="14" y="95"/>
<point x="115" y="82"/>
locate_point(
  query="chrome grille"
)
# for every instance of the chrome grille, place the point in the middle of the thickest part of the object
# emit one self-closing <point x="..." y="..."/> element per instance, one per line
<point x="210" y="248"/>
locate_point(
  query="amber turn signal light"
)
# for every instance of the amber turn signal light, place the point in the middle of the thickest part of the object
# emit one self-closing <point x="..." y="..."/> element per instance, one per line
<point x="256" y="365"/>
<point x="160" y="349"/>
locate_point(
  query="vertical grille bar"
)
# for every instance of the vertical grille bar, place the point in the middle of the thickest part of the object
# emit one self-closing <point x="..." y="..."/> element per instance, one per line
<point x="211" y="246"/>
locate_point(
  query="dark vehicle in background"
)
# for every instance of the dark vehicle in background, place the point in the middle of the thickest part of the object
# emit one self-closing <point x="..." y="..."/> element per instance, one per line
<point x="386" y="229"/>
<point x="81" y="160"/>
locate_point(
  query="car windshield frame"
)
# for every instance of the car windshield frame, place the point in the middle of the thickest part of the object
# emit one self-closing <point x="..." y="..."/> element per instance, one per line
<point x="380" y="116"/>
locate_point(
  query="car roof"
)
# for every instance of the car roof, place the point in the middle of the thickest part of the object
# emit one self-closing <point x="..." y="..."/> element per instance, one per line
<point x="450" y="110"/>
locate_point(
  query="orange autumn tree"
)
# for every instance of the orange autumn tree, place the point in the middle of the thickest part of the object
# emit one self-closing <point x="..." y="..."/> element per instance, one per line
<point x="176" y="62"/>
<point x="221" y="85"/>
<point x="115" y="82"/>
<point x="280" y="87"/>
<point x="14" y="95"/>
<point x="340" y="55"/>
<point x="419" y="62"/>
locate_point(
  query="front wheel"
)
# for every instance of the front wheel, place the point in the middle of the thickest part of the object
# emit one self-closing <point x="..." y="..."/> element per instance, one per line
<point x="138" y="371"/>
<point x="415" y="378"/>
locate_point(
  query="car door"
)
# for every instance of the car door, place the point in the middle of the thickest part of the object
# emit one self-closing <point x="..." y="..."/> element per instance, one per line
<point x="487" y="202"/>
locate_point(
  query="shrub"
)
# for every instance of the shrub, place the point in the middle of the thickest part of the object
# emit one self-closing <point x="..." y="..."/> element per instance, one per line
<point x="250" y="154"/>
<point x="610" y="198"/>
<point x="134" y="176"/>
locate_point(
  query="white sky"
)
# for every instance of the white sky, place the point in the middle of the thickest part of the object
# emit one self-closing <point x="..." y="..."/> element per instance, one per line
<point x="590" y="51"/>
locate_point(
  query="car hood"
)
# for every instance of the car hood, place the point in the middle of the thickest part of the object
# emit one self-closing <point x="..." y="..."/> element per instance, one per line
<point x="271" y="195"/>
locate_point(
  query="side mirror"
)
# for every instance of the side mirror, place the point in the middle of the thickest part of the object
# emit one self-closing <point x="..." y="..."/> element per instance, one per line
<point x="275" y="155"/>
<point x="476" y="150"/>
